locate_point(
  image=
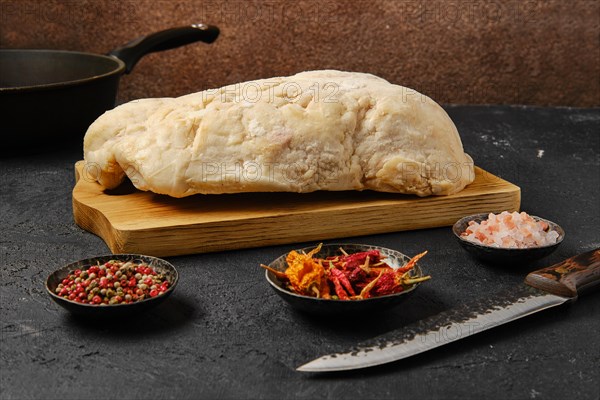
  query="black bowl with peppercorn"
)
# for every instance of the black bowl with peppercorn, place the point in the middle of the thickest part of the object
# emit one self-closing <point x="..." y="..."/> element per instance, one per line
<point x="113" y="286"/>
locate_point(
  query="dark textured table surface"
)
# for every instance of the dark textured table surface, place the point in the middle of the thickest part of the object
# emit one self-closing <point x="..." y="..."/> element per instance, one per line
<point x="225" y="334"/>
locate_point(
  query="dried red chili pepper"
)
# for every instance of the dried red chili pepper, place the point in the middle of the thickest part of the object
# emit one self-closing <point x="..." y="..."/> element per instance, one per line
<point x="351" y="261"/>
<point x="387" y="284"/>
<point x="339" y="275"/>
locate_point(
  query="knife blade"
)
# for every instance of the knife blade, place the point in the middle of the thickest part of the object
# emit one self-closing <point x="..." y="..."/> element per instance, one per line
<point x="542" y="289"/>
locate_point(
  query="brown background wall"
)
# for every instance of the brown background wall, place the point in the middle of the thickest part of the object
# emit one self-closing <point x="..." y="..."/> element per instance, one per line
<point x="464" y="51"/>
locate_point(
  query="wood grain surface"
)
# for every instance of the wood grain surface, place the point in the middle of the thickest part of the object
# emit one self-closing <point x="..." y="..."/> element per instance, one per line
<point x="132" y="221"/>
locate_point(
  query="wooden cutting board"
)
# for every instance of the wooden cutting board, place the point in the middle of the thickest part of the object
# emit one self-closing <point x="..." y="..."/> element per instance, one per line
<point x="132" y="221"/>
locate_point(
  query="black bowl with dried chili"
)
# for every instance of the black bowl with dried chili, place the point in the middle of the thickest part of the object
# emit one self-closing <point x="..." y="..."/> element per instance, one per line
<point x="113" y="285"/>
<point x="344" y="279"/>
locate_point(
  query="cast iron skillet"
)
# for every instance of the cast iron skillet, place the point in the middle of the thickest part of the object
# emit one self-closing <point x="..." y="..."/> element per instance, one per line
<point x="51" y="96"/>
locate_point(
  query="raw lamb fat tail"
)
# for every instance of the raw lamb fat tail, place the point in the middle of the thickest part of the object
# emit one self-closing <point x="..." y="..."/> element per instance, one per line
<point x="317" y="130"/>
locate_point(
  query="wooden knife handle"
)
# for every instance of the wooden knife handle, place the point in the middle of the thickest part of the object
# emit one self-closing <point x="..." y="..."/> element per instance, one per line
<point x="570" y="277"/>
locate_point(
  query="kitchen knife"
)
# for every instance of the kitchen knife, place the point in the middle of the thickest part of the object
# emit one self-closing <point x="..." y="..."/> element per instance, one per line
<point x="542" y="289"/>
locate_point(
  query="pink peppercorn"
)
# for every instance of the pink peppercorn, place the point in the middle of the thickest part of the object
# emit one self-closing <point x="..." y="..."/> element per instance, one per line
<point x="112" y="283"/>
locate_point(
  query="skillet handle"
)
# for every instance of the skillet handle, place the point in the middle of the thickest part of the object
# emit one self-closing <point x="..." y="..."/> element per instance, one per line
<point x="133" y="51"/>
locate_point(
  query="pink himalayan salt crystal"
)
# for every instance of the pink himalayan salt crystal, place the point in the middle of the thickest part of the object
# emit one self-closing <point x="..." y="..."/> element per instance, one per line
<point x="510" y="230"/>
